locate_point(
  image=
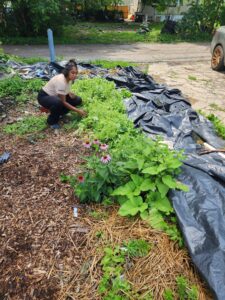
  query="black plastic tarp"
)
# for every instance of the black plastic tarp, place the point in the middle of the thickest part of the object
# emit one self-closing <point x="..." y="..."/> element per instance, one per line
<point x="159" y="110"/>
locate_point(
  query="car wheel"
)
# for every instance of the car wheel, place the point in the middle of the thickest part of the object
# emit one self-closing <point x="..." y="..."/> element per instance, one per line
<point x="217" y="61"/>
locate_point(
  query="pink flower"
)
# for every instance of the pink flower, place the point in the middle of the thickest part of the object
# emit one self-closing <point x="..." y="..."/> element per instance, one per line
<point x="104" y="147"/>
<point x="105" y="159"/>
<point x="87" y="144"/>
<point x="80" y="178"/>
<point x="96" y="142"/>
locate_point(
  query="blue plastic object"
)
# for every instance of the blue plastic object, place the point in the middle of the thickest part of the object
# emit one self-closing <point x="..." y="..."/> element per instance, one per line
<point x="4" y="157"/>
<point x="51" y="45"/>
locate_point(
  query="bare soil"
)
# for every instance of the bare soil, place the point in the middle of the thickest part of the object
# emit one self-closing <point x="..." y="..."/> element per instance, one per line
<point x="202" y="86"/>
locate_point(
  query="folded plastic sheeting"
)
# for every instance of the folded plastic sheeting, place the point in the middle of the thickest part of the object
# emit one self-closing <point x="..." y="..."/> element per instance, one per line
<point x="159" y="110"/>
<point x="201" y="214"/>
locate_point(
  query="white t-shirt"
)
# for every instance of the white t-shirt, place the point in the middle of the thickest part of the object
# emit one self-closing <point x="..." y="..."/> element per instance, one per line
<point x="57" y="86"/>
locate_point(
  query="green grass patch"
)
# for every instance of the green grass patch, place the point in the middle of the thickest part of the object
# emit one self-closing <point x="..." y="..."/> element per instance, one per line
<point x="190" y="77"/>
<point x="109" y="64"/>
<point x="19" y="89"/>
<point x="216" y="107"/>
<point x="107" y="33"/>
<point x="30" y="124"/>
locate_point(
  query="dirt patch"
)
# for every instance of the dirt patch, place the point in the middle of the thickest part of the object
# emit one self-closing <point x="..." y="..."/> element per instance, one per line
<point x="202" y="86"/>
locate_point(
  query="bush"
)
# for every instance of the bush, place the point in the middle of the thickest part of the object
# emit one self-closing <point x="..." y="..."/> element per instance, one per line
<point x="201" y="18"/>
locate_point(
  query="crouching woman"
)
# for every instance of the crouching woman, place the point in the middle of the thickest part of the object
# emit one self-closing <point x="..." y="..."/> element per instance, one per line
<point x="57" y="97"/>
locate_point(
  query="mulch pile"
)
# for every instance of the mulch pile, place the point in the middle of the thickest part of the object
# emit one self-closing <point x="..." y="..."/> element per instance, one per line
<point x="48" y="253"/>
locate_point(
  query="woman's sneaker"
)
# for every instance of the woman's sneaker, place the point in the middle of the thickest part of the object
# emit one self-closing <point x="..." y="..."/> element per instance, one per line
<point x="55" y="126"/>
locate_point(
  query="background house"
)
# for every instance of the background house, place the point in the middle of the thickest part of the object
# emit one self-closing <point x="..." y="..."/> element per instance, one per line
<point x="135" y="7"/>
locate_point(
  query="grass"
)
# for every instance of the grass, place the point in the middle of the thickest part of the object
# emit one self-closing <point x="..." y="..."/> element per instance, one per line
<point x="105" y="33"/>
<point x="190" y="77"/>
<point x="30" y="124"/>
<point x="216" y="107"/>
<point x="109" y="64"/>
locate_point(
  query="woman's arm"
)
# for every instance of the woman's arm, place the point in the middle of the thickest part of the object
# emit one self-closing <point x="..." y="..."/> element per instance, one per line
<point x="71" y="107"/>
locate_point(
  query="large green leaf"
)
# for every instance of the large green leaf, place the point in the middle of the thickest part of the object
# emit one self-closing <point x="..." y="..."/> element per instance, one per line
<point x="137" y="179"/>
<point x="174" y="164"/>
<point x="169" y="181"/>
<point x="147" y="185"/>
<point x="163" y="188"/>
<point x="151" y="170"/>
<point x="140" y="163"/>
<point x="163" y="205"/>
<point x="156" y="220"/>
<point x="182" y="187"/>
<point x="124" y="190"/>
<point x="132" y="206"/>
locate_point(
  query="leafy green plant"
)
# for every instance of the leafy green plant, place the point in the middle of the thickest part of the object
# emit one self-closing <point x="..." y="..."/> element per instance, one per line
<point x="183" y="291"/>
<point x="218" y="124"/>
<point x="113" y="284"/>
<point x="19" y="89"/>
<point x="138" y="183"/>
<point x="137" y="248"/>
<point x="148" y="180"/>
<point x="106" y="121"/>
<point x="98" y="214"/>
<point x="27" y="125"/>
<point x="100" y="176"/>
<point x="168" y="295"/>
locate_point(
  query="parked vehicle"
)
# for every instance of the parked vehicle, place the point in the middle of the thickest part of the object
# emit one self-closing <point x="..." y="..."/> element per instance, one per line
<point x="218" y="49"/>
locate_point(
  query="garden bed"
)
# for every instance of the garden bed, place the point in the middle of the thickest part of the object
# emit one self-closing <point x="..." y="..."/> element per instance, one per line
<point x="47" y="252"/>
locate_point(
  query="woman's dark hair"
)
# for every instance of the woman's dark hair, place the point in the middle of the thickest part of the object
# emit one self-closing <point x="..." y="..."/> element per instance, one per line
<point x="69" y="66"/>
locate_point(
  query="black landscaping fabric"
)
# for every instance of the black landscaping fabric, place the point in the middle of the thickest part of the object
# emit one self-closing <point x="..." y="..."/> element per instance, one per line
<point x="159" y="110"/>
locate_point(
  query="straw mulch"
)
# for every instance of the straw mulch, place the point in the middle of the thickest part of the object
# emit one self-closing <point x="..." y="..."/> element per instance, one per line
<point x="48" y="253"/>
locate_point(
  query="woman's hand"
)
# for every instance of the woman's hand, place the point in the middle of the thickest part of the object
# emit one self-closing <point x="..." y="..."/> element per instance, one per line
<point x="82" y="112"/>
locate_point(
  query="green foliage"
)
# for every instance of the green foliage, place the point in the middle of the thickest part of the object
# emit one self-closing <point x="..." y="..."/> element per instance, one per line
<point x="138" y="183"/>
<point x="168" y="295"/>
<point x="218" y="124"/>
<point x="11" y="87"/>
<point x="192" y="77"/>
<point x="109" y="120"/>
<point x="97" y="183"/>
<point x="183" y="291"/>
<point x="113" y="284"/>
<point x="19" y="89"/>
<point x="148" y="181"/>
<point x="109" y="64"/>
<point x="29" y="124"/>
<point x="201" y="18"/>
<point x="33" y="17"/>
<point x="99" y="215"/>
<point x="107" y="33"/>
<point x="137" y="248"/>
